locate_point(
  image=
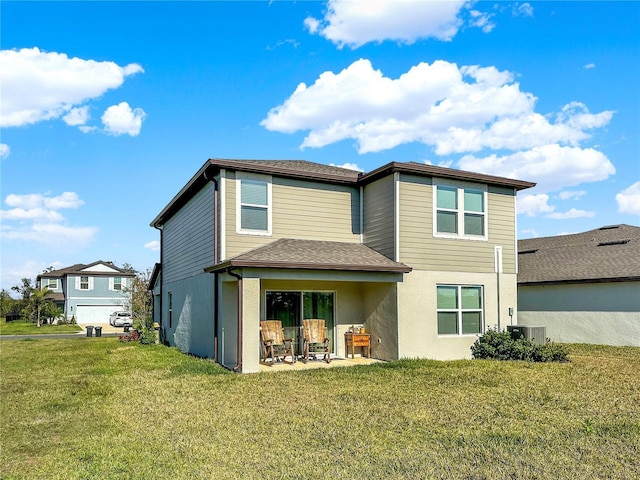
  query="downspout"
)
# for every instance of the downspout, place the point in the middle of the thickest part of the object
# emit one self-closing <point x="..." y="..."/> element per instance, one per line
<point x="239" y="278"/>
<point x="215" y="262"/>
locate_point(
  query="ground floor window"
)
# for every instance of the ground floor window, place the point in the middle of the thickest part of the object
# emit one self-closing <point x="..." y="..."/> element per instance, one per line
<point x="291" y="307"/>
<point x="460" y="309"/>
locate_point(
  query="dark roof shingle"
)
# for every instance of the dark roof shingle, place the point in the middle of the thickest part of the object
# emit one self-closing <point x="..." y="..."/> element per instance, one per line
<point x="610" y="253"/>
<point x="315" y="255"/>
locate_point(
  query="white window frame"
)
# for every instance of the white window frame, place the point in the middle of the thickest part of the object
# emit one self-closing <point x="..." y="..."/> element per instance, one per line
<point x="112" y="284"/>
<point x="49" y="283"/>
<point x="460" y="210"/>
<point x="79" y="283"/>
<point x="459" y="311"/>
<point x="261" y="178"/>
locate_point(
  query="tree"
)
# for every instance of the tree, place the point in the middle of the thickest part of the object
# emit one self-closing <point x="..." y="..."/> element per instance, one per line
<point x="25" y="289"/>
<point x="40" y="301"/>
<point x="8" y="304"/>
<point x="140" y="303"/>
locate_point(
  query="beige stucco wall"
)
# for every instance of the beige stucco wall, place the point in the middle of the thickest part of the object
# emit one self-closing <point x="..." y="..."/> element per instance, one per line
<point x="381" y="319"/>
<point x="250" y="325"/>
<point x="417" y="330"/>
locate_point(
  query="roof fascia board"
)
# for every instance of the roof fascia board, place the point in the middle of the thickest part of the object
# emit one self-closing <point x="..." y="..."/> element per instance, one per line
<point x="442" y="172"/>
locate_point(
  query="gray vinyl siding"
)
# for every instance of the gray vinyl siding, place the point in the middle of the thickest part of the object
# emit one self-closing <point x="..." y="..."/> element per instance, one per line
<point x="302" y="210"/>
<point x="421" y="250"/>
<point x="378" y="216"/>
<point x="188" y="238"/>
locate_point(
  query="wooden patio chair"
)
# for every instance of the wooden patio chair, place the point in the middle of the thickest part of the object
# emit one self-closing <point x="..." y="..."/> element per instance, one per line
<point x="274" y="345"/>
<point x="315" y="339"/>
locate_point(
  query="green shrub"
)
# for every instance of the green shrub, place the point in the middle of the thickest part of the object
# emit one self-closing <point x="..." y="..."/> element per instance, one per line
<point x="498" y="345"/>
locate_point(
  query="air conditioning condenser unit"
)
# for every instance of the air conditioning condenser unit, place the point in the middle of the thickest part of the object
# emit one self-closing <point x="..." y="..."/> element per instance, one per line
<point x="535" y="334"/>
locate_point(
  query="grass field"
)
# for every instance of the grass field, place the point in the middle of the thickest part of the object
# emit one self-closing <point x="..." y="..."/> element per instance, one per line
<point x="20" y="327"/>
<point x="96" y="408"/>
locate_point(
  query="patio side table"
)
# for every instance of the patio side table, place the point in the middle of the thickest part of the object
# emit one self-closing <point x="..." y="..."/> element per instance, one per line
<point x="353" y="340"/>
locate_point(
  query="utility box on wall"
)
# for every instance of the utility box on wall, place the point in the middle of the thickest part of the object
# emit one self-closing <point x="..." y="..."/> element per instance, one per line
<point x="537" y="334"/>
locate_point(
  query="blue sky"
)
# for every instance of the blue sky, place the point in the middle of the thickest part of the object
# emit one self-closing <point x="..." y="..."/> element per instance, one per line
<point x="108" y="108"/>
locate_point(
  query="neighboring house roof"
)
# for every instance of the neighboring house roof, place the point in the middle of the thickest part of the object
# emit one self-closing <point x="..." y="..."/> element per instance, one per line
<point x="56" y="297"/>
<point x="83" y="269"/>
<point x="317" y="172"/>
<point x="315" y="255"/>
<point x="606" y="254"/>
<point x="155" y="275"/>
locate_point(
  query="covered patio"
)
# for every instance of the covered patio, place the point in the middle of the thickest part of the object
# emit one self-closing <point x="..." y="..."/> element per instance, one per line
<point x="336" y="362"/>
<point x="291" y="280"/>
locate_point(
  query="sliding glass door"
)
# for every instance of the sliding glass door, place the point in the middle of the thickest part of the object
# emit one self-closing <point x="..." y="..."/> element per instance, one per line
<point x="292" y="307"/>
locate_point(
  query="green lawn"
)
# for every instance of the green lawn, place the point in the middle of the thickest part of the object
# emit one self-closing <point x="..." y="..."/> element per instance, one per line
<point x="96" y="408"/>
<point x="20" y="327"/>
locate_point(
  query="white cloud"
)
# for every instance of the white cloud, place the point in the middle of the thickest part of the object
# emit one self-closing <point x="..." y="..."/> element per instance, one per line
<point x="573" y="213"/>
<point x="50" y="234"/>
<point x="589" y="66"/>
<point x="36" y="200"/>
<point x="533" y="205"/>
<point x="153" y="245"/>
<point x="349" y="166"/>
<point x="566" y="195"/>
<point x="523" y="10"/>
<point x="481" y="20"/>
<point x="454" y="109"/>
<point x="629" y="200"/>
<point x="121" y="119"/>
<point x="40" y="214"/>
<point x="355" y="23"/>
<point x="553" y="167"/>
<point x="77" y="116"/>
<point x="37" y="219"/>
<point x="38" y="86"/>
<point x="529" y="233"/>
<point x="5" y="151"/>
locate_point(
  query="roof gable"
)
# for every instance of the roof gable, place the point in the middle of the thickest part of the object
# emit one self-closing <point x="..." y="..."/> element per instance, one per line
<point x="99" y="267"/>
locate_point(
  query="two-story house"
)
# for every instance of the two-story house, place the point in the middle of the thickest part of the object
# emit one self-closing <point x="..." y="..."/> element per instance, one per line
<point x="423" y="257"/>
<point x="90" y="293"/>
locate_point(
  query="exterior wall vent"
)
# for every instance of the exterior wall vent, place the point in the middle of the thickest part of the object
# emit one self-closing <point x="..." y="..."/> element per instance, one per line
<point x="537" y="334"/>
<point x="613" y="242"/>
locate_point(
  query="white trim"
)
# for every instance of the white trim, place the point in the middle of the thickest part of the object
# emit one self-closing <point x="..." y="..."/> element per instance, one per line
<point x="497" y="258"/>
<point x="396" y="216"/>
<point x="261" y="178"/>
<point x="515" y="225"/>
<point x="461" y="186"/>
<point x="361" y="214"/>
<point x="223" y="214"/>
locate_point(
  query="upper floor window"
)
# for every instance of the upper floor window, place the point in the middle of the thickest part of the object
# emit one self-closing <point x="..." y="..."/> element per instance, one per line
<point x="460" y="310"/>
<point x="117" y="283"/>
<point x="253" y="204"/>
<point x="84" y="283"/>
<point x="460" y="212"/>
<point x="50" y="283"/>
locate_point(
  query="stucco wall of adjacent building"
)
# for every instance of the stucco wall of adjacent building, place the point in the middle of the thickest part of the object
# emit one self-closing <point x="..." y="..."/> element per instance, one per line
<point x="598" y="313"/>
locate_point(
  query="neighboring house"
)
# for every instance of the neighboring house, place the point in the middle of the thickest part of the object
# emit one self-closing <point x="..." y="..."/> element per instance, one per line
<point x="90" y="293"/>
<point x="423" y="257"/>
<point x="585" y="287"/>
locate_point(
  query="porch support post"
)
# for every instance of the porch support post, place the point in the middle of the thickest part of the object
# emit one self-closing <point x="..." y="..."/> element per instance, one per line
<point x="250" y="325"/>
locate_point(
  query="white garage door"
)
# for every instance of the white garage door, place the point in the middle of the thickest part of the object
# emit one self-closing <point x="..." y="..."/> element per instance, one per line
<point x="95" y="314"/>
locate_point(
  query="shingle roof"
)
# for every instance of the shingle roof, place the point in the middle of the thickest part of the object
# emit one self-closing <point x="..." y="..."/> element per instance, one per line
<point x="314" y="255"/>
<point x="317" y="172"/>
<point x="79" y="267"/>
<point x="610" y="253"/>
